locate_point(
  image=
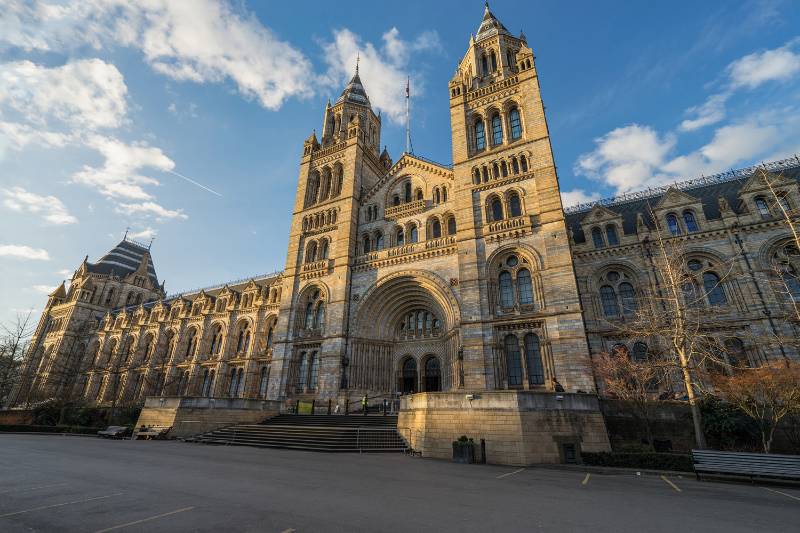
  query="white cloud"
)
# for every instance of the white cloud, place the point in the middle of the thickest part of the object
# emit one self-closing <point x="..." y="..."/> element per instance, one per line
<point x="65" y="273"/>
<point x="731" y="145"/>
<point x="16" y="136"/>
<point x="44" y="289"/>
<point x="151" y="208"/>
<point x="121" y="176"/>
<point x="200" y="41"/>
<point x="627" y="157"/>
<point x="50" y="208"/>
<point x="383" y="70"/>
<point x="578" y="196"/>
<point x="771" y="65"/>
<point x="87" y="93"/>
<point x="711" y="112"/>
<point x="144" y="234"/>
<point x="23" y="252"/>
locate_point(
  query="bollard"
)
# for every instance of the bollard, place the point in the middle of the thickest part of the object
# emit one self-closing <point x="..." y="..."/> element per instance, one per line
<point x="347" y="406"/>
<point x="483" y="452"/>
<point x="329" y="405"/>
<point x="297" y="407"/>
<point x="312" y="405"/>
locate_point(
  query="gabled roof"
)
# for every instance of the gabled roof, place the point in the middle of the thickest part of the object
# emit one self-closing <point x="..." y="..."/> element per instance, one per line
<point x="124" y="259"/>
<point x="490" y="26"/>
<point x="707" y="190"/>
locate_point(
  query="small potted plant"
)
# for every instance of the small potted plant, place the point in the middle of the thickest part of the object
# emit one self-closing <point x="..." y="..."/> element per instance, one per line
<point x="464" y="450"/>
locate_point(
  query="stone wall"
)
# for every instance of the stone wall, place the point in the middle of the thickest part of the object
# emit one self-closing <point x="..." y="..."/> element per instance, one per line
<point x="191" y="416"/>
<point x="519" y="427"/>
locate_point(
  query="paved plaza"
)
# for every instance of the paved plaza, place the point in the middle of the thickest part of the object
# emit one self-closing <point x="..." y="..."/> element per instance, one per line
<point x="80" y="484"/>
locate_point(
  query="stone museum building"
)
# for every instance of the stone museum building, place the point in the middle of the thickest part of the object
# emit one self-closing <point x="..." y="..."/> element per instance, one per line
<point x="409" y="276"/>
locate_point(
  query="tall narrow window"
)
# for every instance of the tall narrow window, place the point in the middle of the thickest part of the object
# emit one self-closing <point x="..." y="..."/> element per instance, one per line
<point x="533" y="357"/>
<point x="497" y="130"/>
<point x="451" y="226"/>
<point x="514" y="165"/>
<point x="611" y="235"/>
<point x="379" y="241"/>
<point x="233" y="384"/>
<point x="513" y="361"/>
<point x="312" y="378"/>
<point x="506" y="289"/>
<point x="319" y="318"/>
<point x="628" y="297"/>
<point x="494" y="61"/>
<point x="263" y="383"/>
<point x="523" y="163"/>
<point x="608" y="299"/>
<point x="497" y="209"/>
<point x="714" y="290"/>
<point x="763" y="208"/>
<point x="302" y="373"/>
<point x="400" y="237"/>
<point x="782" y="200"/>
<point x="480" y="135"/>
<point x="690" y="221"/>
<point x="597" y="238"/>
<point x="408" y="191"/>
<point x="309" y="315"/>
<point x="690" y="294"/>
<point x="485" y="65"/>
<point x="516" y="125"/>
<point x="524" y="287"/>
<point x="514" y="205"/>
<point x="412" y="235"/>
<point x="672" y="224"/>
<point x="436" y="228"/>
<point x="366" y="244"/>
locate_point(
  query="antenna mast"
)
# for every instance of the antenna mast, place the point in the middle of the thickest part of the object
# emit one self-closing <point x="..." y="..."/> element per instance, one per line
<point x="408" y="116"/>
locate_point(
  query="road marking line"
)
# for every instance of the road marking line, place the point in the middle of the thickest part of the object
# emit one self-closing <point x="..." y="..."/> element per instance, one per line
<point x="671" y="484"/>
<point x="586" y="479"/>
<point x="510" y="473"/>
<point x="148" y="519"/>
<point x="783" y="493"/>
<point x="59" y="505"/>
<point x="32" y="488"/>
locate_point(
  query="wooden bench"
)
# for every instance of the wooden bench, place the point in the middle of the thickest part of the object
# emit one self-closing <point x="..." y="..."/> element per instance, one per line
<point x="151" y="433"/>
<point x="749" y="465"/>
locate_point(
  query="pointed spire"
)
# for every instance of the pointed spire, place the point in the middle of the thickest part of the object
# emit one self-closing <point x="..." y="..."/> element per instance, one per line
<point x="490" y="26"/>
<point x="60" y="292"/>
<point x="358" y="58"/>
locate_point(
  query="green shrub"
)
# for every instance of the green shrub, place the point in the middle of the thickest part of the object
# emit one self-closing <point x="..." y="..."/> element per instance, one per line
<point x="644" y="461"/>
<point x="727" y="428"/>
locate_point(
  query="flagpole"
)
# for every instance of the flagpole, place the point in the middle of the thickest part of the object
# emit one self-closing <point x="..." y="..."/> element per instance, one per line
<point x="408" y="116"/>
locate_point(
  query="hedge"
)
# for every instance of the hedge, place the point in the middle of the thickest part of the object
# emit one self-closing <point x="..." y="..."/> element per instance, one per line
<point x="645" y="461"/>
<point x="29" y="428"/>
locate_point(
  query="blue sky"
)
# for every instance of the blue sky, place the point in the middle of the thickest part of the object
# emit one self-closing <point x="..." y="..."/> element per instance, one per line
<point x="108" y="108"/>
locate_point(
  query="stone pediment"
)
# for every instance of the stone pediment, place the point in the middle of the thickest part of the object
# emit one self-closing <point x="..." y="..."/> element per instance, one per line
<point x="251" y="286"/>
<point x="757" y="183"/>
<point x="676" y="198"/>
<point x="599" y="213"/>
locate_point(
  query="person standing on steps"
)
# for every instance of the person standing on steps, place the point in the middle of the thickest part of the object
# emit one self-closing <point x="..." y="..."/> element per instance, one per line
<point x="364" y="404"/>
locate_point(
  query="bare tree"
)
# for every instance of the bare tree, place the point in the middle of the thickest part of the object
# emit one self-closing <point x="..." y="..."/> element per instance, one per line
<point x="14" y="342"/>
<point x="677" y="316"/>
<point x="634" y="380"/>
<point x="767" y="394"/>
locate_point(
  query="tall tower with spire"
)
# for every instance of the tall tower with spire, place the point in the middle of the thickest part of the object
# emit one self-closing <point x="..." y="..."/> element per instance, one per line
<point x="334" y="170"/>
<point x="508" y="202"/>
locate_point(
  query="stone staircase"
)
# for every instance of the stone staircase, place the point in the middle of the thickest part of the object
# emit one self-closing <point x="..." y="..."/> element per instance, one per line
<point x="320" y="433"/>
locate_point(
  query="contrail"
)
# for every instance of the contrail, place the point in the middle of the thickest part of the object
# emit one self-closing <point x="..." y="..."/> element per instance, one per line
<point x="190" y="180"/>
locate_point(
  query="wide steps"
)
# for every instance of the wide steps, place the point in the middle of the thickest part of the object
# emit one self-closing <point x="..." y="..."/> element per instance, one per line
<point x="322" y="433"/>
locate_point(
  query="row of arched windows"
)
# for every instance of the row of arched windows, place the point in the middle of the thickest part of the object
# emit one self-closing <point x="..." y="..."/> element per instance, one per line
<point x="500" y="169"/>
<point x="501" y="125"/>
<point x="686" y="223"/>
<point x="307" y="372"/>
<point x="406" y="195"/>
<point x="317" y="250"/>
<point x="419" y="323"/>
<point x="497" y="206"/>
<point x="314" y="312"/>
<point x="324" y="185"/>
<point x="763" y="206"/>
<point x="436" y="227"/>
<point x="431" y="380"/>
<point x="514" y="283"/>
<point x="320" y="220"/>
<point x="601" y="239"/>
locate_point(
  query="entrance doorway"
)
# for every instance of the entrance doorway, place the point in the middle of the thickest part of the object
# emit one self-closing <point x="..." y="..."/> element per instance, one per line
<point x="433" y="375"/>
<point x="408" y="379"/>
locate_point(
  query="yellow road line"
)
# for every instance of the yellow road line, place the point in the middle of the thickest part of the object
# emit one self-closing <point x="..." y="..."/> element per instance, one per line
<point x="783" y="493"/>
<point x="586" y="479"/>
<point x="148" y="519"/>
<point x="32" y="488"/>
<point x="501" y="476"/>
<point x="59" y="505"/>
<point x="671" y="484"/>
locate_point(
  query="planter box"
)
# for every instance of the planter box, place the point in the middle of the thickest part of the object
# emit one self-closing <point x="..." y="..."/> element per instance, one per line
<point x="463" y="452"/>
